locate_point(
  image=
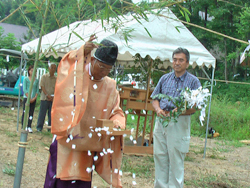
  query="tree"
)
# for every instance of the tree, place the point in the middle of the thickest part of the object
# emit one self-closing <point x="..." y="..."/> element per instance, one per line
<point x="8" y="42"/>
<point x="224" y="17"/>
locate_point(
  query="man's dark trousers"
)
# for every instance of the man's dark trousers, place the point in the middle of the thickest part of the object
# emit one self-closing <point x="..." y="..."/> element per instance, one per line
<point x="44" y="107"/>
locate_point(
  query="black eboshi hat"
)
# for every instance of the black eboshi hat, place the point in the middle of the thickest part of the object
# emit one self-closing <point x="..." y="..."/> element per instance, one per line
<point x="106" y="52"/>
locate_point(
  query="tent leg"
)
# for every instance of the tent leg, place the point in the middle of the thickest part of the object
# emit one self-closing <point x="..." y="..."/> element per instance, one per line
<point x="19" y="92"/>
<point x="208" y="116"/>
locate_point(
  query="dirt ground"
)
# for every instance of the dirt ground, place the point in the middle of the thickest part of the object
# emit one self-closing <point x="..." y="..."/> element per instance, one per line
<point x="225" y="164"/>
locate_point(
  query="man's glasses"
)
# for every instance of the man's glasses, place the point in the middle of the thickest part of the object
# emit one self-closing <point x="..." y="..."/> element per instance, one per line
<point x="102" y="68"/>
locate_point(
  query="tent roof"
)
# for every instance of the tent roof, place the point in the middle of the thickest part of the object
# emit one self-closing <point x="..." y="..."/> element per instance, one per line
<point x="165" y="39"/>
<point x="13" y="52"/>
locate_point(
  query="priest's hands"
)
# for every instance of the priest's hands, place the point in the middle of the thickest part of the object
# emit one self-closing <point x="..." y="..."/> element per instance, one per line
<point x="118" y="124"/>
<point x="89" y="45"/>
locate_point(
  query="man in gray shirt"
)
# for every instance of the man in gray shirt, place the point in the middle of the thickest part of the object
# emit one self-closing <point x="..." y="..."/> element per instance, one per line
<point x="47" y="85"/>
<point x="171" y="143"/>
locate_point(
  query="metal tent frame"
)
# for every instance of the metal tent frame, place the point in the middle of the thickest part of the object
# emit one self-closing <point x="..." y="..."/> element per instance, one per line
<point x="22" y="66"/>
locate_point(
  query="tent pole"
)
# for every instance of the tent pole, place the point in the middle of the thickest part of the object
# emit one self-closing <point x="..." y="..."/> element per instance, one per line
<point x="209" y="109"/>
<point x="206" y="73"/>
<point x="19" y="92"/>
<point x="148" y="83"/>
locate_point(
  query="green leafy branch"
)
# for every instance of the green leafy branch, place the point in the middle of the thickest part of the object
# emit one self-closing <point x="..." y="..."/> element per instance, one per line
<point x="180" y="104"/>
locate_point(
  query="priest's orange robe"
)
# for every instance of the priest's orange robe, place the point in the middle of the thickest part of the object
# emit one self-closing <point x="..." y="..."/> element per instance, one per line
<point x="74" y="112"/>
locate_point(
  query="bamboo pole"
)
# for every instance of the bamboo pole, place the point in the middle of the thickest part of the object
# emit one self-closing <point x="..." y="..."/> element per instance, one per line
<point x="24" y="134"/>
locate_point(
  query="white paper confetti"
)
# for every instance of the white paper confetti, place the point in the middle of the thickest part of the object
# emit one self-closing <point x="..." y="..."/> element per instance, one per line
<point x="105" y="128"/>
<point x="112" y="138"/>
<point x="89" y="153"/>
<point x="132" y="117"/>
<point x="115" y="170"/>
<point x="21" y="84"/>
<point x="126" y="112"/>
<point x="80" y="93"/>
<point x="120" y="172"/>
<point x="99" y="134"/>
<point x="132" y="130"/>
<point x="89" y="170"/>
<point x="91" y="127"/>
<point x="134" y="182"/>
<point x="95" y="158"/>
<point x="46" y="122"/>
<point x="71" y="137"/>
<point x="75" y="164"/>
<point x="108" y="132"/>
<point x="133" y="175"/>
<point x="61" y="119"/>
<point x="93" y="167"/>
<point x="95" y="86"/>
<point x="68" y="139"/>
<point x="90" y="135"/>
<point x="93" y="117"/>
<point x="105" y="110"/>
<point x="134" y="112"/>
<point x="109" y="150"/>
<point x="131" y="137"/>
<point x="124" y="135"/>
<point x="54" y="176"/>
<point x="82" y="99"/>
<point x="143" y="111"/>
<point x="30" y="117"/>
<point x="96" y="129"/>
<point x="104" y="151"/>
<point x="13" y="108"/>
<point x="71" y="95"/>
<point x="92" y="77"/>
<point x="134" y="141"/>
<point x="73" y="146"/>
<point x="101" y="154"/>
<point x="73" y="181"/>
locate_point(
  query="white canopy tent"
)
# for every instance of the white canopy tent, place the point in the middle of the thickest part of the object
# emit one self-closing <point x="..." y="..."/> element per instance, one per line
<point x="165" y="38"/>
<point x="167" y="32"/>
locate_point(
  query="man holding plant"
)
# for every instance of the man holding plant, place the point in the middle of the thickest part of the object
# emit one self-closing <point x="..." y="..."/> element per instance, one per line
<point x="171" y="142"/>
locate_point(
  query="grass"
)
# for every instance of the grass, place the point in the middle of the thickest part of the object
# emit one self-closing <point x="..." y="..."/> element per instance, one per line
<point x="232" y="124"/>
<point x="211" y="181"/>
<point x="9" y="169"/>
<point x="229" y="119"/>
<point x="34" y="149"/>
<point x="190" y="159"/>
<point x="144" y="165"/>
<point x="10" y="134"/>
